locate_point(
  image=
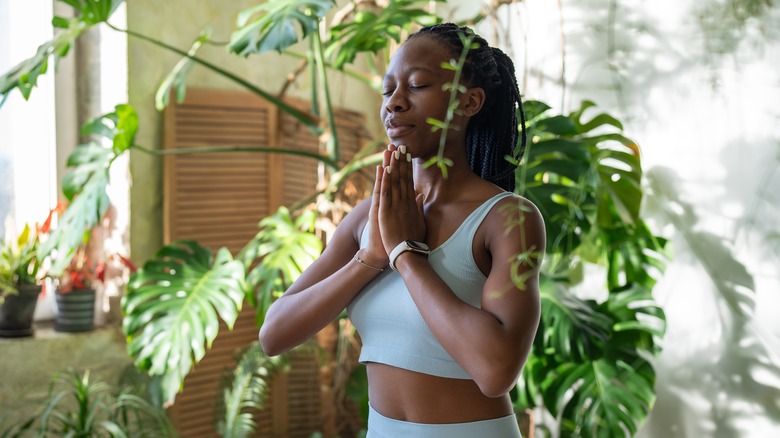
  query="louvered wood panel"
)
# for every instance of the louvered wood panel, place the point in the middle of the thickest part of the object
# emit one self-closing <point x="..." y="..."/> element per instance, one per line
<point x="217" y="199"/>
<point x="300" y="173"/>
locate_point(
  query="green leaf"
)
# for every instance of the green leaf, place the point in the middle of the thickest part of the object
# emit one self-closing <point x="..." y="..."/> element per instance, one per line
<point x="274" y="25"/>
<point x="246" y="391"/>
<point x="369" y="32"/>
<point x="177" y="78"/>
<point x="85" y="184"/>
<point x="93" y="12"/>
<point x="126" y="128"/>
<point x="24" y="76"/>
<point x="559" y="125"/>
<point x="278" y="254"/>
<point x="78" y="406"/>
<point x="570" y="329"/>
<point x="595" y="122"/>
<point x="534" y="109"/>
<point x="612" y="398"/>
<point x="82" y="215"/>
<point x="173" y="306"/>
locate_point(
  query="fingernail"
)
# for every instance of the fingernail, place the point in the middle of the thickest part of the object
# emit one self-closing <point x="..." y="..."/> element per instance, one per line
<point x="396" y="155"/>
<point x="387" y="169"/>
<point x="390" y="147"/>
<point x="402" y="148"/>
<point x="408" y="158"/>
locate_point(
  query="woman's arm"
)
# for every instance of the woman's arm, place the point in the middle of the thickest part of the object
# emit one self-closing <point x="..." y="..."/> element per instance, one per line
<point x="326" y="287"/>
<point x="491" y="343"/>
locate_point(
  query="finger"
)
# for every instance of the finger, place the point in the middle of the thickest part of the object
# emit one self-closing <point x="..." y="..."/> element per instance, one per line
<point x="386" y="155"/>
<point x="385" y="185"/>
<point x="403" y="173"/>
<point x="410" y="172"/>
<point x="420" y="200"/>
<point x="377" y="187"/>
<point x="395" y="177"/>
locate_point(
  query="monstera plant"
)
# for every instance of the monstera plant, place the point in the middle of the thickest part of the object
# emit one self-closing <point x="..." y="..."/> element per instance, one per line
<point x="589" y="364"/>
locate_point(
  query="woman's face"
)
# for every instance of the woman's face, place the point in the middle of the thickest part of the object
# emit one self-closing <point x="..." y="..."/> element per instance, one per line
<point x="413" y="92"/>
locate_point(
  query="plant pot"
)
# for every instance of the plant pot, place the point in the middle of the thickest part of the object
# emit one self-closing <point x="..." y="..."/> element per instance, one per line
<point x="16" y="312"/>
<point x="75" y="311"/>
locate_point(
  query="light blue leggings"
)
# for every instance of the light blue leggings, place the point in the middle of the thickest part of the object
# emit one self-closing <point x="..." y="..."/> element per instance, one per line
<point x="380" y="426"/>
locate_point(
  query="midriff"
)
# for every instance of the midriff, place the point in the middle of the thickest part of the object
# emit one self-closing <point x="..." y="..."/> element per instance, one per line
<point x="421" y="398"/>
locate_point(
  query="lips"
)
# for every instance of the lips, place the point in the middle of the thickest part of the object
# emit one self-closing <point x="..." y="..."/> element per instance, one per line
<point x="397" y="127"/>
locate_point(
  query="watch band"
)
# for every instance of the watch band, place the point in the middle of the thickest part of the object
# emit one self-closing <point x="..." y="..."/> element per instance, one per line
<point x="408" y="245"/>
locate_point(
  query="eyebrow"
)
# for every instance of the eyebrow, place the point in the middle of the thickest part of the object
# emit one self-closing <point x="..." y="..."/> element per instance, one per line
<point x="410" y="71"/>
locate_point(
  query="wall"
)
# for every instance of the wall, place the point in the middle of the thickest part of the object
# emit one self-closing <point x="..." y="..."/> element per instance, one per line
<point x="178" y="23"/>
<point x="697" y="85"/>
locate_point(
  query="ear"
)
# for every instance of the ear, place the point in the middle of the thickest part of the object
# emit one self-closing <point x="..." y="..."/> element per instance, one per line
<point x="472" y="101"/>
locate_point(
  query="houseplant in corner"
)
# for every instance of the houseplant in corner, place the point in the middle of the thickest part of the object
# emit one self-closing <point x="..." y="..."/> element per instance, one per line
<point x="19" y="283"/>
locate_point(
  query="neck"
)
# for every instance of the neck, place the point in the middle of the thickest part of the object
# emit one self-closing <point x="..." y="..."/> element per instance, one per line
<point x="431" y="181"/>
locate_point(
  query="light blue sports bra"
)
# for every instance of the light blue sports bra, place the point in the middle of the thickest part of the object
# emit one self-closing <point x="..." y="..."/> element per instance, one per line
<point x="391" y="328"/>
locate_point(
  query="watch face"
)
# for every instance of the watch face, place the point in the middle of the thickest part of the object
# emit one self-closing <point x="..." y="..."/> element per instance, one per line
<point x="418" y="246"/>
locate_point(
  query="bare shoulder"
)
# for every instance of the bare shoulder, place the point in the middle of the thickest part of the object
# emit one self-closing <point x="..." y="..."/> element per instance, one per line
<point x="515" y="225"/>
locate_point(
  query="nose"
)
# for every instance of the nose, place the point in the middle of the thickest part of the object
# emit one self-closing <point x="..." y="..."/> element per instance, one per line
<point x="396" y="102"/>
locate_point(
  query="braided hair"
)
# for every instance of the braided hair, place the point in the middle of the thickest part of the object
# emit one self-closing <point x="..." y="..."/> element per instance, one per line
<point x="491" y="134"/>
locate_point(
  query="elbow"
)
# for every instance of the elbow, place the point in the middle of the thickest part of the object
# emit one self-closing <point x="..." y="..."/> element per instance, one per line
<point x="495" y="388"/>
<point x="270" y="346"/>
<point x="498" y="380"/>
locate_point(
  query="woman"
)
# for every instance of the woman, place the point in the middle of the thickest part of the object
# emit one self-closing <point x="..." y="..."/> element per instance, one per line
<point x="439" y="272"/>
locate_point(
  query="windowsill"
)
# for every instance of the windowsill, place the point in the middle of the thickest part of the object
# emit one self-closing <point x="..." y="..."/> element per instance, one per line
<point x="44" y="331"/>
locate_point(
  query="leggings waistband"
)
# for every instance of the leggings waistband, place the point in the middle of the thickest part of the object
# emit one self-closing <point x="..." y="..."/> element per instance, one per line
<point x="380" y="426"/>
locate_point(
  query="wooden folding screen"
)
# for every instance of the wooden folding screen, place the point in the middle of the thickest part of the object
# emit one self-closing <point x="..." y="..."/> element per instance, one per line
<point x="217" y="199"/>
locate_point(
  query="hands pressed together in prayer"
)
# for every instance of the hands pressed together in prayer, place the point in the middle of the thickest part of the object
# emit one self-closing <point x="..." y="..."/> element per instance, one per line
<point x="396" y="212"/>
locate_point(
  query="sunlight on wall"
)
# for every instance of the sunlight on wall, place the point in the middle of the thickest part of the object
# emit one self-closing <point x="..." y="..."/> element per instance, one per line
<point x="706" y="123"/>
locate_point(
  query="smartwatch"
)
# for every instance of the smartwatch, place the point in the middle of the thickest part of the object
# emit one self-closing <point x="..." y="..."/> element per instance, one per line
<point x="408" y="245"/>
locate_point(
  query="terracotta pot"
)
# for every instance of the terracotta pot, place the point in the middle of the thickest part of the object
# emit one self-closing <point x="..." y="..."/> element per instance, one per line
<point x="16" y="312"/>
<point x="75" y="311"/>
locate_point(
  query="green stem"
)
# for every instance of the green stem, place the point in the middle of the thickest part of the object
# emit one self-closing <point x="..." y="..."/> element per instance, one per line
<point x="374" y="81"/>
<point x="332" y="145"/>
<point x="206" y="150"/>
<point x="315" y="93"/>
<point x="452" y="101"/>
<point x="306" y="119"/>
<point x="339" y="177"/>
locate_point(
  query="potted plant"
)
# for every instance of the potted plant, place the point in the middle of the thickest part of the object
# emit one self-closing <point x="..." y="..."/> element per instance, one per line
<point x="75" y="294"/>
<point x="78" y="405"/>
<point x="19" y="283"/>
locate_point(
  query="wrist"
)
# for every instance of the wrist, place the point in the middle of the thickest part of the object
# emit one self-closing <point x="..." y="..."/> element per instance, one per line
<point x="408" y="246"/>
<point x="408" y="259"/>
<point x="364" y="257"/>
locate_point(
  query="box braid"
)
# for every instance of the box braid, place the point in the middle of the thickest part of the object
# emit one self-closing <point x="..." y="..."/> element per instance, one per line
<point x="491" y="135"/>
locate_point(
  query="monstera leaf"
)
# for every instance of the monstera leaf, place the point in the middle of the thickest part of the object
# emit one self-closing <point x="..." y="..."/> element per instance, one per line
<point x="612" y="396"/>
<point x="24" y="76"/>
<point x="570" y="329"/>
<point x="173" y="307"/>
<point x="85" y="185"/>
<point x="588" y="366"/>
<point x="579" y="181"/>
<point x="369" y="32"/>
<point x="274" y="25"/>
<point x="278" y="254"/>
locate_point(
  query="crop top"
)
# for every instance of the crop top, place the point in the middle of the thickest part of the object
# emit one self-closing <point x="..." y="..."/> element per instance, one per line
<point x="393" y="330"/>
